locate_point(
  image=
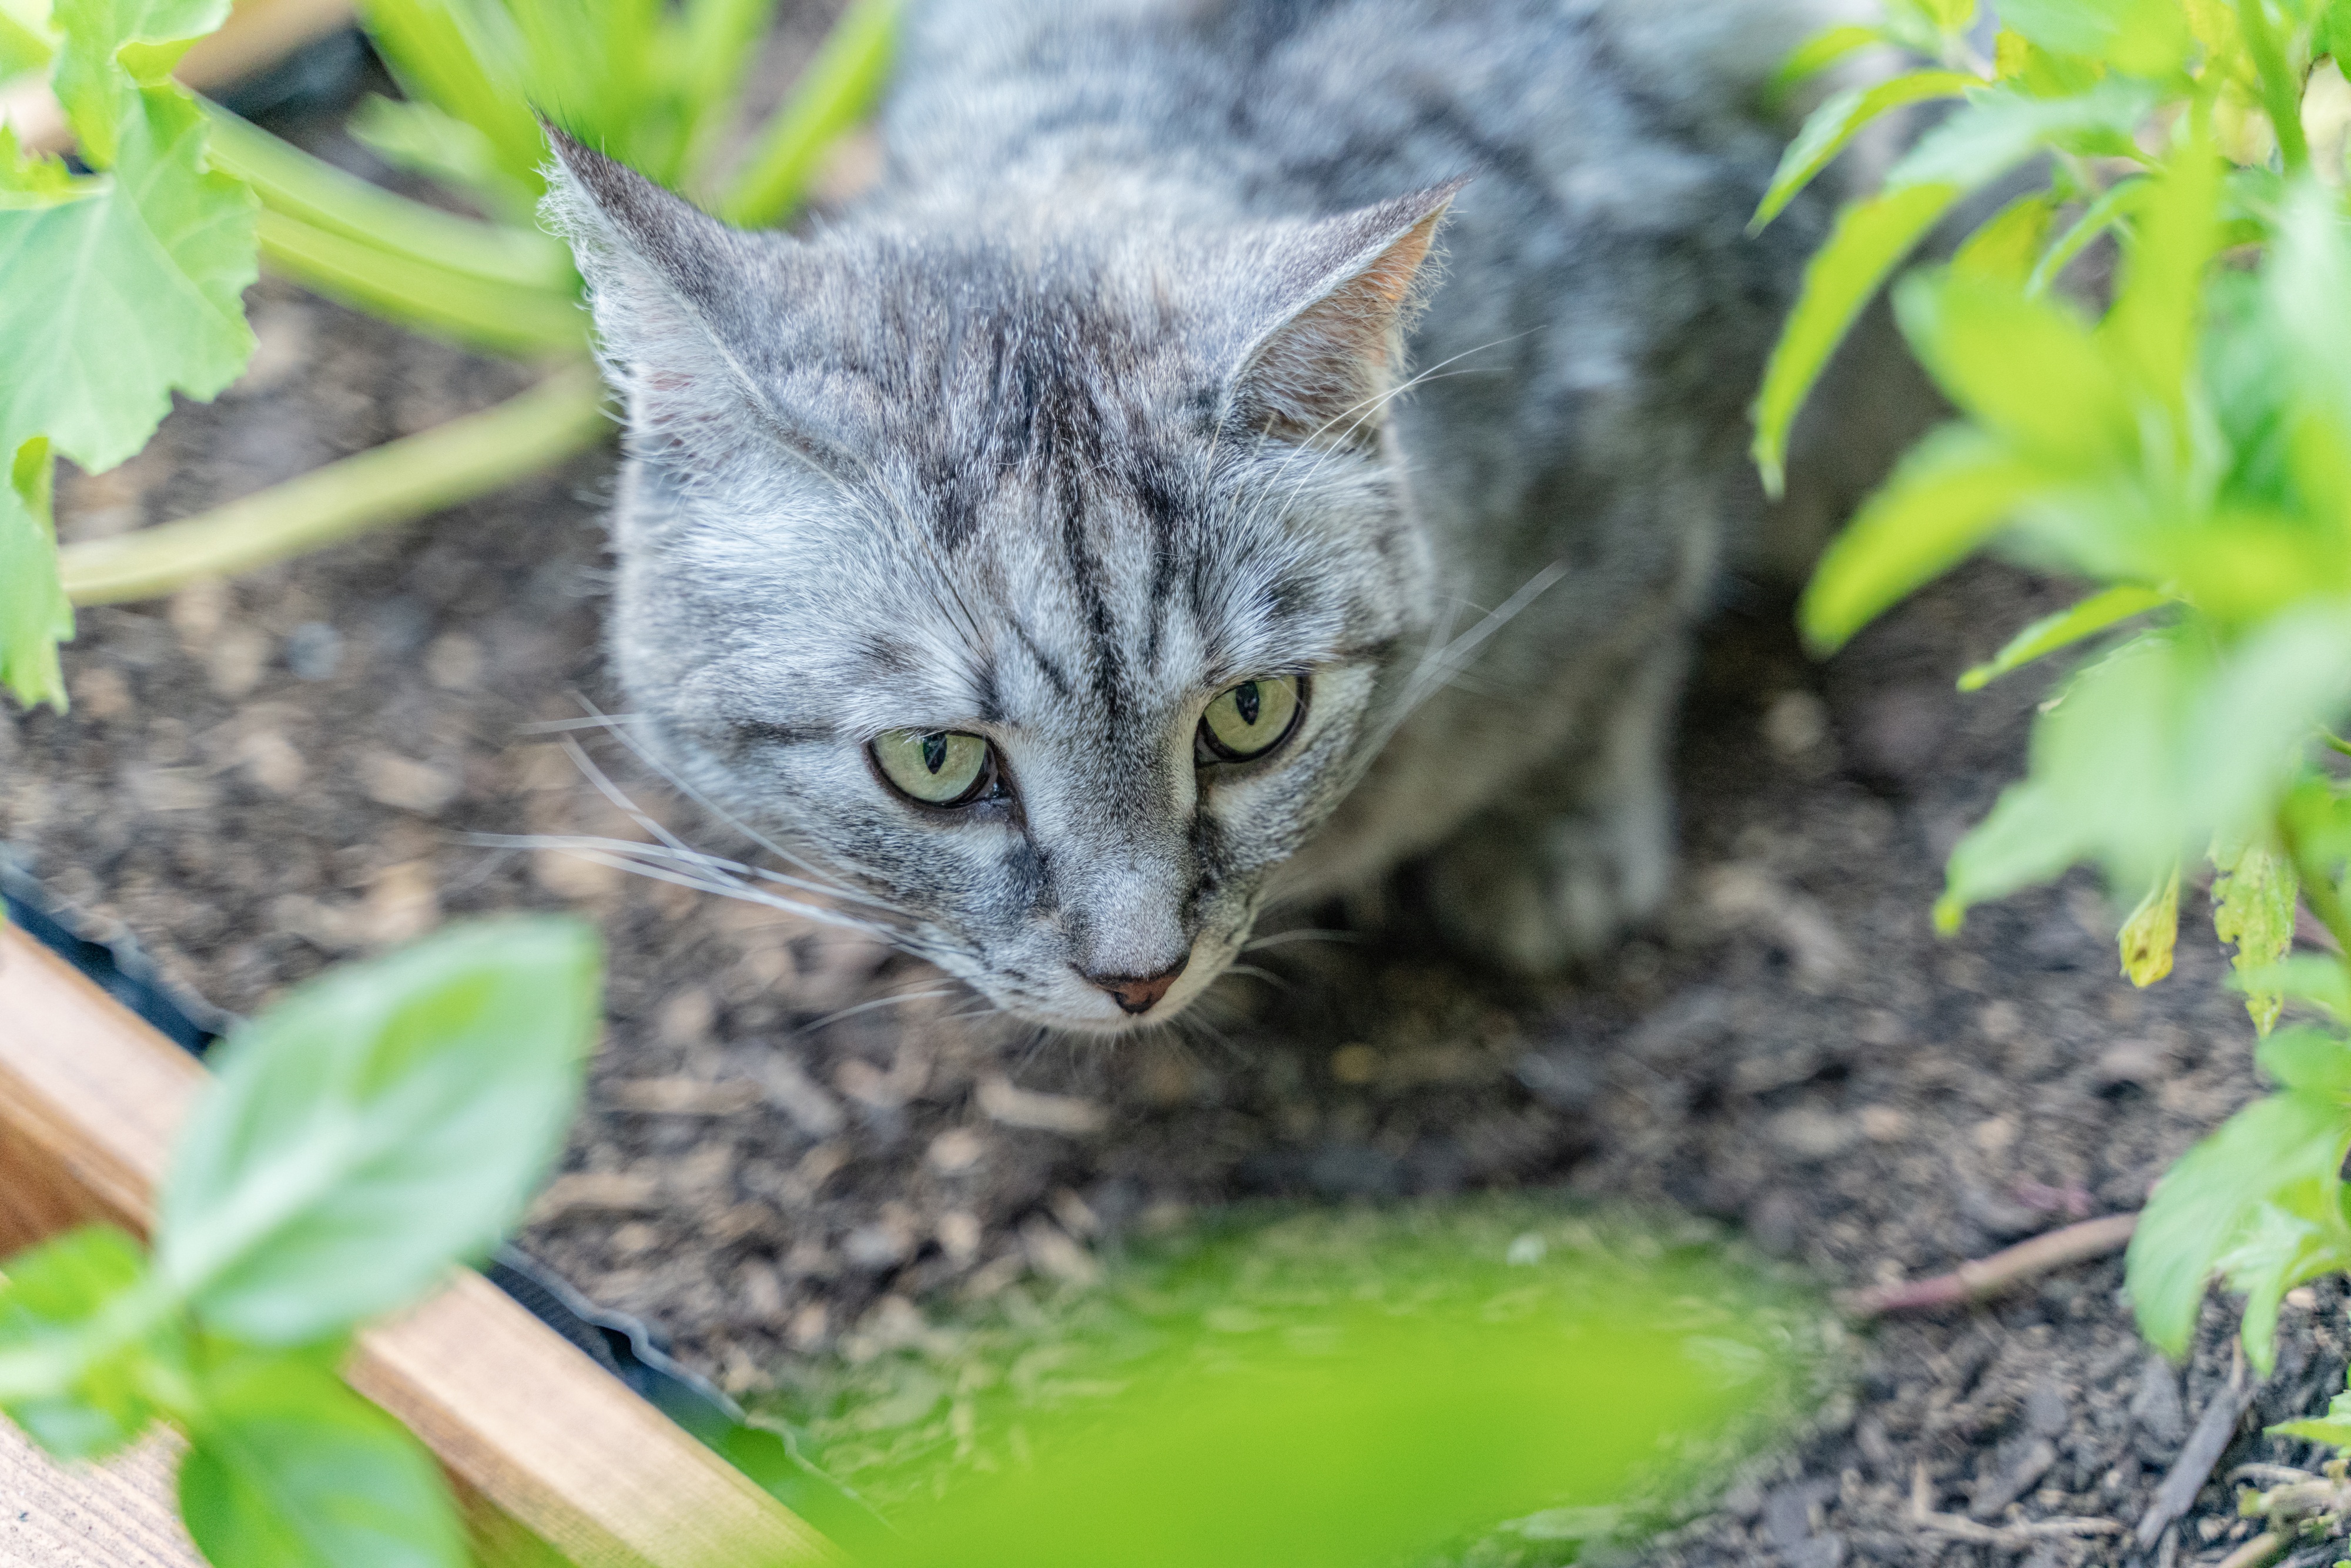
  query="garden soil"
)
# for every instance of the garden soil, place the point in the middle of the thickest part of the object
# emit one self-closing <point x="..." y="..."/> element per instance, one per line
<point x="797" y="1146"/>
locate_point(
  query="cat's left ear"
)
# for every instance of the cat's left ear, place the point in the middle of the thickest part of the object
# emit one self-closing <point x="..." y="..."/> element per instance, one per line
<point x="1346" y="291"/>
<point x="684" y="305"/>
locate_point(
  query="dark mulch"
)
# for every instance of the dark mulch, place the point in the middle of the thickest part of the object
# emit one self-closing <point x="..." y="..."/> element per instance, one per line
<point x="261" y="777"/>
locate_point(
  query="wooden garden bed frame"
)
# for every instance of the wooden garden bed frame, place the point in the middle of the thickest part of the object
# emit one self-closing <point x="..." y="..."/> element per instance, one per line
<point x="542" y="1444"/>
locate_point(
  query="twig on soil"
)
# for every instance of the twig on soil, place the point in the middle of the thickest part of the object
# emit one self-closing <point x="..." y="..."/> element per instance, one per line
<point x="2202" y="1450"/>
<point x="2023" y="1532"/>
<point x="2257" y="1551"/>
<point x="1989" y="1275"/>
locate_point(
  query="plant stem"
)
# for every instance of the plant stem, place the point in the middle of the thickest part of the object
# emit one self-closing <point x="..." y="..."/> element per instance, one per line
<point x="2281" y="95"/>
<point x="407" y="478"/>
<point x="471" y="311"/>
<point x="839" y="85"/>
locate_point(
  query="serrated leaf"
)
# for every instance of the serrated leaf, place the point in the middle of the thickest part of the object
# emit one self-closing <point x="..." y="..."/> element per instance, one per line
<point x="2253" y="899"/>
<point x="1870" y="239"/>
<point x="2286" y="1150"/>
<point x="1951" y="492"/>
<point x="51" y="1296"/>
<point x="1829" y="129"/>
<point x="35" y="615"/>
<point x="111" y="49"/>
<point x="2151" y="933"/>
<point x="2276" y="1250"/>
<point x="2063" y="630"/>
<point x="288" y="1469"/>
<point x="130" y="290"/>
<point x="381" y="1124"/>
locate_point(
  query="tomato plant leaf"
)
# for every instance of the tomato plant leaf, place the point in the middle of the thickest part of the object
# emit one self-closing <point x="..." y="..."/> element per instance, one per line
<point x="287" y="1467"/>
<point x="2253" y="897"/>
<point x="378" y="1125"/>
<point x="127" y="287"/>
<point x="1952" y="491"/>
<point x="35" y="615"/>
<point x="48" y="1302"/>
<point x="1828" y="128"/>
<point x="2151" y="933"/>
<point x="2204" y="1204"/>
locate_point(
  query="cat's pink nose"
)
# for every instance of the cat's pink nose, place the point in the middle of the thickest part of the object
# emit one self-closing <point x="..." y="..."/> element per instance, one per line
<point x="1135" y="994"/>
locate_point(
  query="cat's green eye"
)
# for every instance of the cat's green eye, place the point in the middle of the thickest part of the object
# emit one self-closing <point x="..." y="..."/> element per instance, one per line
<point x="936" y="767"/>
<point x="1249" y="719"/>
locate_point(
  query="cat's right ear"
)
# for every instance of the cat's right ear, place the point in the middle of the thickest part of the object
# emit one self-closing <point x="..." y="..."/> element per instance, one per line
<point x="677" y="296"/>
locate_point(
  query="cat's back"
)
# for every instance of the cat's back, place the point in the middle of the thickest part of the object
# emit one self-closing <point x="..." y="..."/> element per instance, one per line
<point x="1284" y="106"/>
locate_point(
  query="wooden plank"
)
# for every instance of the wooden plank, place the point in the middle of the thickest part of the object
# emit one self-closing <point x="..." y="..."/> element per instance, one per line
<point x="120" y="1514"/>
<point x="89" y="1097"/>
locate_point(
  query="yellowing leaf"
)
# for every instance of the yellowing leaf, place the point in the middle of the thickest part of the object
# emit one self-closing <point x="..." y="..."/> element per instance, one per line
<point x="2254" y="898"/>
<point x="2152" y="931"/>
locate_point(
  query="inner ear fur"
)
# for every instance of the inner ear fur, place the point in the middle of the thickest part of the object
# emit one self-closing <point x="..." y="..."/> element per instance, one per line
<point x="1321" y="374"/>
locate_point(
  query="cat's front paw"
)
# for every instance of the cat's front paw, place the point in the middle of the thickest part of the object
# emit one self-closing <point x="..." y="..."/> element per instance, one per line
<point x="1535" y="896"/>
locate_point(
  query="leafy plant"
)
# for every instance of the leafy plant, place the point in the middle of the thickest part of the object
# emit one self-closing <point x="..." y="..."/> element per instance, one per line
<point x="380" y="1125"/>
<point x="1348" y="1387"/>
<point x="2181" y="442"/>
<point x="124" y="283"/>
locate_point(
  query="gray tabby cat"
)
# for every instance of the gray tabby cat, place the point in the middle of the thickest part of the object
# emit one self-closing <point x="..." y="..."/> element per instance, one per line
<point x="1062" y="551"/>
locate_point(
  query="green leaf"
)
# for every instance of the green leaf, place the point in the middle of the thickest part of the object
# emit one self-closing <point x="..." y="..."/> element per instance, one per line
<point x="2282" y="683"/>
<point x="2063" y="629"/>
<point x="379" y="1124"/>
<point x="2276" y="1250"/>
<point x="2309" y="1060"/>
<point x="2286" y="1150"/>
<point x="2307" y="278"/>
<point x="2141" y="38"/>
<point x="287" y="1468"/>
<point x="2027" y="838"/>
<point x="1828" y="128"/>
<point x="2113" y="204"/>
<point x="2152" y="331"/>
<point x="440" y="56"/>
<point x="26" y="41"/>
<point x="1869" y="241"/>
<point x="835" y="92"/>
<point x="2151" y="933"/>
<point x="2306" y="978"/>
<point x="35" y="615"/>
<point x="429" y="142"/>
<point x="2000" y="126"/>
<point x="2253" y="899"/>
<point x="50" y="1302"/>
<point x="1949" y="492"/>
<point x="2004" y="249"/>
<point x="110" y="50"/>
<point x="2334" y="1427"/>
<point x="2028" y="369"/>
<point x="129" y="289"/>
<point x="1817" y="54"/>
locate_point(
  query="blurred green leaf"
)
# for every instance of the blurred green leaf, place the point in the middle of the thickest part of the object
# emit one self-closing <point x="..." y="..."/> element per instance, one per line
<point x="2000" y="126"/>
<point x="2286" y="1150"/>
<point x="2310" y="1061"/>
<point x="2253" y="900"/>
<point x="110" y="49"/>
<point x="1828" y="130"/>
<point x="2005" y="248"/>
<point x="381" y="1124"/>
<point x="2276" y="1250"/>
<point x="35" y="615"/>
<point x="2308" y="278"/>
<point x="287" y="1468"/>
<point x="50" y="1305"/>
<point x="2027" y="369"/>
<point x="2307" y="978"/>
<point x="2140" y="37"/>
<point x="1869" y="241"/>
<point x="1951" y="492"/>
<point x="438" y="54"/>
<point x="428" y="141"/>
<point x="2151" y="933"/>
<point x="1817" y="54"/>
<point x="2334" y="1427"/>
<point x="2152" y="331"/>
<point x="2112" y="205"/>
<point x="2093" y="615"/>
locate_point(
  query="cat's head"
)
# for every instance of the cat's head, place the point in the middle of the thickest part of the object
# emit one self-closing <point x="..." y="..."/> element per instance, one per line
<point x="1045" y="586"/>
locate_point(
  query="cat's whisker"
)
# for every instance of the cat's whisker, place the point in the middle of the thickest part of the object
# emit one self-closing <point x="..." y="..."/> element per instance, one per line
<point x="1254" y="973"/>
<point x="592" y="721"/>
<point x="1284" y="938"/>
<point x="876" y="1004"/>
